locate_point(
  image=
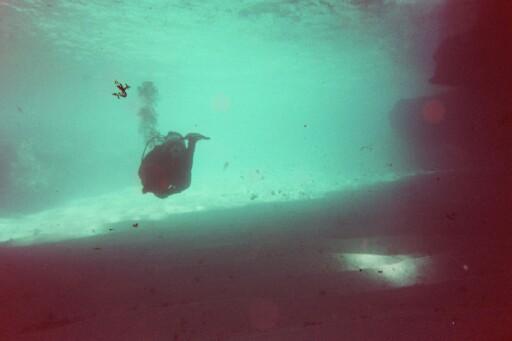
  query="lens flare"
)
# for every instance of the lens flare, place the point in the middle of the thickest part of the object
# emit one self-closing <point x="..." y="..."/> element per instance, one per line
<point x="433" y="111"/>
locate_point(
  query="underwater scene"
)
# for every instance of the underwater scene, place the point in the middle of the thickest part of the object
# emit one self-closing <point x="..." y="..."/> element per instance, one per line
<point x="295" y="96"/>
<point x="254" y="169"/>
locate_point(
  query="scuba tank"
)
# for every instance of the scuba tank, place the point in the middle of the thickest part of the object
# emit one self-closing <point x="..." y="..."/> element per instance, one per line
<point x="158" y="161"/>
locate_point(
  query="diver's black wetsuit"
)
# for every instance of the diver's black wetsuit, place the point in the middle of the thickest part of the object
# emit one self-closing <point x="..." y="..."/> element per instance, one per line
<point x="167" y="168"/>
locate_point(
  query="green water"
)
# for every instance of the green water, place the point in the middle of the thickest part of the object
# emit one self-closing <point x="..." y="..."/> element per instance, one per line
<point x="295" y="96"/>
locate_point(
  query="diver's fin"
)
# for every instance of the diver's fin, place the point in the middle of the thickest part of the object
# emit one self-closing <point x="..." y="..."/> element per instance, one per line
<point x="196" y="137"/>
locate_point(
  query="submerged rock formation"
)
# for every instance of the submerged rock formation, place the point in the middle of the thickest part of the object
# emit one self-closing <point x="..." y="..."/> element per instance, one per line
<point x="468" y="125"/>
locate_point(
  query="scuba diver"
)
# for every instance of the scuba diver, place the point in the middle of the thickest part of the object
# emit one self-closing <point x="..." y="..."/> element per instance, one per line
<point x="122" y="90"/>
<point x="166" y="169"/>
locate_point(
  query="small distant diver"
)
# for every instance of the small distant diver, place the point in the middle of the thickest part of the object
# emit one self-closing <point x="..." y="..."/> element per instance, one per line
<point x="167" y="168"/>
<point x="122" y="90"/>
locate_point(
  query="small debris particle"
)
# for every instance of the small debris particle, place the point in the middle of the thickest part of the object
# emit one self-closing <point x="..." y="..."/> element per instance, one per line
<point x="135" y="225"/>
<point x="226" y="165"/>
<point x="465" y="267"/>
<point x="305" y="125"/>
<point x="257" y="171"/>
<point x="380" y="271"/>
<point x="360" y="270"/>
<point x="390" y="164"/>
<point x="254" y="196"/>
<point x="450" y="216"/>
<point x="311" y="323"/>
<point x="47" y="325"/>
<point x="97" y="248"/>
<point x="273" y="192"/>
<point x="19" y="109"/>
<point x="111" y="229"/>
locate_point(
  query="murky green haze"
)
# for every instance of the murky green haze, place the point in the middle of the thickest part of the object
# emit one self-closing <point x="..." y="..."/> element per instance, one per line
<point x="294" y="94"/>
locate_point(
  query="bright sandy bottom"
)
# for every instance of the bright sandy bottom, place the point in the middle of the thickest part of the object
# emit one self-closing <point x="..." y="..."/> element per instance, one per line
<point x="93" y="215"/>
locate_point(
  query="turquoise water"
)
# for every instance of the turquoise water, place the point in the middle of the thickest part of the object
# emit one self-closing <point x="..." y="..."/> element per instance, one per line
<point x="295" y="96"/>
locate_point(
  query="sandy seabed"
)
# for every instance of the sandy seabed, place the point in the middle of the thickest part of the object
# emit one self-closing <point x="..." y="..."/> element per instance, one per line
<point x="392" y="260"/>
